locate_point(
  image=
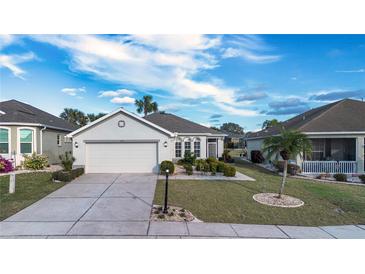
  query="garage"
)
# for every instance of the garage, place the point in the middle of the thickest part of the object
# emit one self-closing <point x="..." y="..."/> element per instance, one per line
<point x="119" y="157"/>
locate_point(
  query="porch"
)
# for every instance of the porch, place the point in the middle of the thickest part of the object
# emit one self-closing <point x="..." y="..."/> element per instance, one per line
<point x="335" y="155"/>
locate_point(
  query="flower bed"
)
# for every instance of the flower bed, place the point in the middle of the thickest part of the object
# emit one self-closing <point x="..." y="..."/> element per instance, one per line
<point x="174" y="214"/>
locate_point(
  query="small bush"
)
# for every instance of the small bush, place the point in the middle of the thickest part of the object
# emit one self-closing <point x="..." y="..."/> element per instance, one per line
<point x="167" y="165"/>
<point x="340" y="177"/>
<point x="182" y="215"/>
<point x="35" y="161"/>
<point x="211" y="160"/>
<point x="206" y="167"/>
<point x="229" y="171"/>
<point x="171" y="214"/>
<point x="220" y="167"/>
<point x="199" y="164"/>
<point x="5" y="165"/>
<point x="67" y="160"/>
<point x="189" y="158"/>
<point x="362" y="178"/>
<point x="161" y="216"/>
<point x="213" y="167"/>
<point x="188" y="169"/>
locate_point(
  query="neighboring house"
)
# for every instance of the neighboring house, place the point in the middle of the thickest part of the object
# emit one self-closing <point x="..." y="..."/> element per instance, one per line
<point x="337" y="132"/>
<point x="233" y="140"/>
<point x="25" y="129"/>
<point x="124" y="142"/>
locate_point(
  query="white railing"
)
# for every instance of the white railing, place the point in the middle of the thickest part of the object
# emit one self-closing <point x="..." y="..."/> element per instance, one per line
<point x="347" y="167"/>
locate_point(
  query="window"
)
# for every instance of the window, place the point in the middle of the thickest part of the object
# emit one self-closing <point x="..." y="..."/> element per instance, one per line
<point x="26" y="141"/>
<point x="318" y="149"/>
<point x="197" y="149"/>
<point x="178" y="149"/>
<point x="4" y="141"/>
<point x="187" y="147"/>
<point x="67" y="139"/>
<point x="59" y="140"/>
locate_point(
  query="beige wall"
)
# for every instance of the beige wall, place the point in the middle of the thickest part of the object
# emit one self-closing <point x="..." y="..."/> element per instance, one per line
<point x="50" y="147"/>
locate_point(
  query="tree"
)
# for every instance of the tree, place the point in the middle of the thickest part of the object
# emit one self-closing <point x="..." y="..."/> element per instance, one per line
<point x="289" y="144"/>
<point x="74" y="116"/>
<point x="92" y="117"/>
<point x="146" y="105"/>
<point x="270" y="123"/>
<point x="232" y="128"/>
<point x="215" y="128"/>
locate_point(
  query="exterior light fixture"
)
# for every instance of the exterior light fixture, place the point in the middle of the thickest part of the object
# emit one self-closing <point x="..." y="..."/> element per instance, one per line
<point x="76" y="144"/>
<point x="165" y="144"/>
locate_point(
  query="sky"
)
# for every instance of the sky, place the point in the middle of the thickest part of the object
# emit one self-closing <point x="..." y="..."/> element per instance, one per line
<point x="209" y="79"/>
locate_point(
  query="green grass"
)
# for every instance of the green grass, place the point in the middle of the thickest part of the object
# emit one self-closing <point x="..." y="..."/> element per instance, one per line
<point x="231" y="201"/>
<point x="29" y="188"/>
<point x="235" y="152"/>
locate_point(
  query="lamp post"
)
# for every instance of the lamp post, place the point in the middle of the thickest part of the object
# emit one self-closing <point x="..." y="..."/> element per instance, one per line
<point x="166" y="190"/>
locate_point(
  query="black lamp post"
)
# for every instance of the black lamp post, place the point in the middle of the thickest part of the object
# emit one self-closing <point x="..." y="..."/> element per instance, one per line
<point x="166" y="190"/>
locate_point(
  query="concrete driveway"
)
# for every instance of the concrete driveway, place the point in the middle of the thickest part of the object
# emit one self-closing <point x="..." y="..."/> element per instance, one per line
<point x="93" y="204"/>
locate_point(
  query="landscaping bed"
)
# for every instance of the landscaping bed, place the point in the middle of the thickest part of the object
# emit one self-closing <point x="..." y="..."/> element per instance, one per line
<point x="174" y="214"/>
<point x="232" y="202"/>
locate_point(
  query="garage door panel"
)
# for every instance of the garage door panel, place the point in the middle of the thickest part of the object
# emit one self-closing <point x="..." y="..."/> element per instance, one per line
<point x="121" y="157"/>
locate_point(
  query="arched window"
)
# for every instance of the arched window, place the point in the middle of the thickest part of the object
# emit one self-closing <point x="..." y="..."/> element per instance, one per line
<point x="4" y="141"/>
<point x="197" y="147"/>
<point x="26" y="139"/>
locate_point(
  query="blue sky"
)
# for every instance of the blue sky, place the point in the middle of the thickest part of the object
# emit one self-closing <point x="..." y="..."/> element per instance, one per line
<point x="210" y="79"/>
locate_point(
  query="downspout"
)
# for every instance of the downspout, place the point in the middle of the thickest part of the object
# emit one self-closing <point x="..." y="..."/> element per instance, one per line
<point x="41" y="139"/>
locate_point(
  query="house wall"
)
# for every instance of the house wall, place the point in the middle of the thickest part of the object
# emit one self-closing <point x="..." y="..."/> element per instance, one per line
<point x="133" y="130"/>
<point x="50" y="147"/>
<point x="253" y="144"/>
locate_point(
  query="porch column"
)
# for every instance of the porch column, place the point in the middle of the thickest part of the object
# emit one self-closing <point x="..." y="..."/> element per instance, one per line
<point x="360" y="154"/>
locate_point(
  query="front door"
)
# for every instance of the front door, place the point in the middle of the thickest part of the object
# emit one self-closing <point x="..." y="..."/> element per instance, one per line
<point x="212" y="150"/>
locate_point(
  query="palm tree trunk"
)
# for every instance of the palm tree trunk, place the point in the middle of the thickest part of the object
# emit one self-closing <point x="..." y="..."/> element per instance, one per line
<point x="281" y="190"/>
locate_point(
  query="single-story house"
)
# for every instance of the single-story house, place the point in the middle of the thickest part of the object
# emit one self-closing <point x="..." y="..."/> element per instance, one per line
<point x="337" y="133"/>
<point x="25" y="129"/>
<point x="233" y="140"/>
<point x="122" y="141"/>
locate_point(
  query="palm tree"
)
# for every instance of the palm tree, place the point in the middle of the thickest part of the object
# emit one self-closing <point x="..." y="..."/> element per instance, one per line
<point x="74" y="116"/>
<point x="92" y="117"/>
<point x="146" y="105"/>
<point x="289" y="144"/>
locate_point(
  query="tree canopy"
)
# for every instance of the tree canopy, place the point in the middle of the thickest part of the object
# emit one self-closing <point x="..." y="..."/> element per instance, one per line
<point x="146" y="105"/>
<point x="232" y="128"/>
<point x="270" y="123"/>
<point x="79" y="118"/>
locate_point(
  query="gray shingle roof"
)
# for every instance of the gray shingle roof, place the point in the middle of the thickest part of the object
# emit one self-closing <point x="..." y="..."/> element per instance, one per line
<point x="177" y="124"/>
<point x="342" y="116"/>
<point x="18" y="112"/>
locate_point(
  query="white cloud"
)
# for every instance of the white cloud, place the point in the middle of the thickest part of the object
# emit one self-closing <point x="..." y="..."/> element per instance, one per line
<point x="167" y="62"/>
<point x="251" y="48"/>
<point x="115" y="93"/>
<point x="73" y="91"/>
<point x="352" y="71"/>
<point x="123" y="100"/>
<point x="11" y="62"/>
<point x="237" y="111"/>
<point x="7" y="39"/>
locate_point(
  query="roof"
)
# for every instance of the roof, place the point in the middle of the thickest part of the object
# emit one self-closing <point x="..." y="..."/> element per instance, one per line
<point x="15" y="112"/>
<point x="346" y="115"/>
<point x="130" y="114"/>
<point x="180" y="125"/>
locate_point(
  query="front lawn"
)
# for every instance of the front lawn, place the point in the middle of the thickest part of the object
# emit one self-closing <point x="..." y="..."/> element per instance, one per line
<point x="29" y="188"/>
<point x="231" y="201"/>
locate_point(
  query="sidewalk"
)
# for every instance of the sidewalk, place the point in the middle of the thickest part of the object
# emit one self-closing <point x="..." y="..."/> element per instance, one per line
<point x="178" y="230"/>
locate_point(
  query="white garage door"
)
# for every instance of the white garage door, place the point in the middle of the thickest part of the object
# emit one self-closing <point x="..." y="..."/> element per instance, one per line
<point x="121" y="157"/>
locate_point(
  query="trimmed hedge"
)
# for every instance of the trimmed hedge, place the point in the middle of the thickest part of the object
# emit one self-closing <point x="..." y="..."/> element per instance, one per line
<point x="213" y="167"/>
<point x="229" y="171"/>
<point x="362" y="178"/>
<point x="340" y="177"/>
<point x="35" y="161"/>
<point x="167" y="165"/>
<point x="220" y="167"/>
<point x="67" y="176"/>
<point x="188" y="169"/>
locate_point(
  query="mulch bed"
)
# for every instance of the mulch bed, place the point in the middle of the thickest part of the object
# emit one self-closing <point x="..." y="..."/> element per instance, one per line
<point x="271" y="199"/>
<point x="174" y="214"/>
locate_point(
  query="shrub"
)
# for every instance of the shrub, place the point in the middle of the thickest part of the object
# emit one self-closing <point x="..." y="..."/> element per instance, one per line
<point x="257" y="157"/>
<point x="229" y="171"/>
<point x="35" y="161"/>
<point x="5" y="165"/>
<point x="188" y="169"/>
<point x="293" y="169"/>
<point x="225" y="154"/>
<point x="213" y="167"/>
<point x="220" y="167"/>
<point x="199" y="164"/>
<point x="67" y="160"/>
<point x="189" y="158"/>
<point x="211" y="160"/>
<point x="206" y="167"/>
<point x="167" y="165"/>
<point x="340" y="177"/>
<point x="362" y="178"/>
<point x="67" y="176"/>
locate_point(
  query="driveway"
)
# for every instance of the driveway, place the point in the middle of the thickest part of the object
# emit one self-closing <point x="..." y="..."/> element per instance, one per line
<point x="93" y="204"/>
